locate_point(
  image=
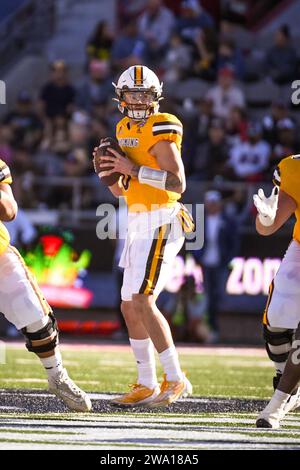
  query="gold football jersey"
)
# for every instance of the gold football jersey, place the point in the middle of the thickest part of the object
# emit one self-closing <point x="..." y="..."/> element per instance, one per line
<point x="5" y="177"/>
<point x="287" y="177"/>
<point x="136" y="140"/>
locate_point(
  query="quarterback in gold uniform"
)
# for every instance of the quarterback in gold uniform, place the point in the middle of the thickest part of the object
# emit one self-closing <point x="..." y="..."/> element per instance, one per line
<point x="23" y="304"/>
<point x="282" y="314"/>
<point x="152" y="184"/>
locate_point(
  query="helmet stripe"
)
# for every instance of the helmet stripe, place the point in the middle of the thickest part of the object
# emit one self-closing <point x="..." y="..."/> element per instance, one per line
<point x="138" y="75"/>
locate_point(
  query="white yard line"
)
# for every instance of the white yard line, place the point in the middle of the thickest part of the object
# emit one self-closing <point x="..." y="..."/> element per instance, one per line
<point x="194" y="350"/>
<point x="109" y="434"/>
<point x="129" y="431"/>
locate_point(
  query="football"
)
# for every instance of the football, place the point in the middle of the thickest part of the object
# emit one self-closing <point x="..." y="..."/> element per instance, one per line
<point x="101" y="151"/>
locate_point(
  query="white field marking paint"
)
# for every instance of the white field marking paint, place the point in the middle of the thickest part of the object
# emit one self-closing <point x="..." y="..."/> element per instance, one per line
<point x="35" y="362"/>
<point x="20" y="446"/>
<point x="30" y="394"/>
<point x="102" y="396"/>
<point x="158" y="438"/>
<point x="207" y="433"/>
<point x="33" y="380"/>
<point x="29" y="362"/>
<point x="114" y="362"/>
<point x="27" y="380"/>
<point x="235" y="362"/>
<point x="192" y="432"/>
<point x="245" y="418"/>
<point x="126" y="423"/>
<point x="108" y="397"/>
<point x="12" y="408"/>
<point x="190" y="350"/>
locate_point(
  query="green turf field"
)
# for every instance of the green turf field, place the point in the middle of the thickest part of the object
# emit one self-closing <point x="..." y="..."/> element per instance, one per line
<point x="229" y="385"/>
<point x="104" y="371"/>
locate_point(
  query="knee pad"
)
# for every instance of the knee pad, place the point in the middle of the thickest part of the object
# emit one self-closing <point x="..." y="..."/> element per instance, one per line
<point x="278" y="343"/>
<point x="43" y="340"/>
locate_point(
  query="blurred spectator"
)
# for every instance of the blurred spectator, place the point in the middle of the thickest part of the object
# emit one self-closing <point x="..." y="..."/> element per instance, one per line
<point x="55" y="146"/>
<point x="230" y="55"/>
<point x="205" y="118"/>
<point x="205" y="53"/>
<point x="74" y="165"/>
<point x="79" y="128"/>
<point x="130" y="9"/>
<point x="23" y="168"/>
<point x="128" y="48"/>
<point x="60" y="143"/>
<point x="225" y="95"/>
<point x="22" y="161"/>
<point x="155" y="27"/>
<point x="98" y="131"/>
<point x="287" y="143"/>
<point x="100" y="43"/>
<point x="220" y="246"/>
<point x="235" y="11"/>
<point x="281" y="59"/>
<point x="56" y="136"/>
<point x="236" y="125"/>
<point x="6" y="138"/>
<point x="177" y="60"/>
<point x="192" y="20"/>
<point x="57" y="96"/>
<point x="185" y="312"/>
<point x="250" y="159"/>
<point x="77" y="164"/>
<point x="239" y="204"/>
<point x="21" y="231"/>
<point x="212" y="156"/>
<point x="279" y="111"/>
<point x="25" y="125"/>
<point x="97" y="87"/>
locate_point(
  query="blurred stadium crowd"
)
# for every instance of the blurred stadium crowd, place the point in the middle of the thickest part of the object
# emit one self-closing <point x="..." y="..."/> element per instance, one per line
<point x="232" y="94"/>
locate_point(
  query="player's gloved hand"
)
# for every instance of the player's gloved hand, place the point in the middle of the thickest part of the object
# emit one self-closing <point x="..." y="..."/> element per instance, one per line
<point x="266" y="206"/>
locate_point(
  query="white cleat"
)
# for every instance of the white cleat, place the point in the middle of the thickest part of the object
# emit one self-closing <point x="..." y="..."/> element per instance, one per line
<point x="273" y="413"/>
<point x="293" y="402"/>
<point x="64" y="387"/>
<point x="269" y="420"/>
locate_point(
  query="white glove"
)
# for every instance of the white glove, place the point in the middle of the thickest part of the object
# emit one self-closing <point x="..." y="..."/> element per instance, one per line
<point x="266" y="206"/>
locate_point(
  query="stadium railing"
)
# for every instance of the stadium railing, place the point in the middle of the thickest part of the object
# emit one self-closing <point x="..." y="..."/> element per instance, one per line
<point x="75" y="212"/>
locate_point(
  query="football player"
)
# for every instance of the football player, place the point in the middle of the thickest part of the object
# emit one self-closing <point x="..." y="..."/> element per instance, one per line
<point x="282" y="314"/>
<point x="23" y="304"/>
<point x="152" y="184"/>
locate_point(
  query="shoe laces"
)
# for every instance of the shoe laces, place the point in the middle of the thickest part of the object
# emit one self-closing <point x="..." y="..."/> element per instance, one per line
<point x="64" y="378"/>
<point x="165" y="384"/>
<point x="135" y="386"/>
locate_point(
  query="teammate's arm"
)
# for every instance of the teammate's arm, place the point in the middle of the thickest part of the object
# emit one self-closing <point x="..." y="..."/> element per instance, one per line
<point x="8" y="205"/>
<point x="286" y="207"/>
